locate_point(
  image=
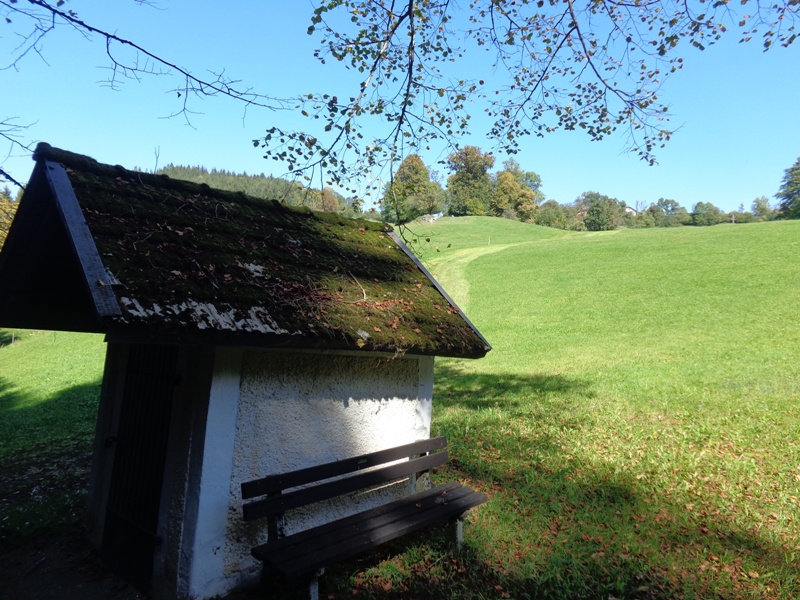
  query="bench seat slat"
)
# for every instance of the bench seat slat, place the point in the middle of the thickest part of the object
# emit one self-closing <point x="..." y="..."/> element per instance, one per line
<point x="295" y="556"/>
<point x="277" y="504"/>
<point x="334" y="527"/>
<point x="369" y="531"/>
<point x="283" y="481"/>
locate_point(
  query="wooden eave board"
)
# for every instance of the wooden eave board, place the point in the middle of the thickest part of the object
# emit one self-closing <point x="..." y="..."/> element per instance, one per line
<point x="399" y="241"/>
<point x="94" y="273"/>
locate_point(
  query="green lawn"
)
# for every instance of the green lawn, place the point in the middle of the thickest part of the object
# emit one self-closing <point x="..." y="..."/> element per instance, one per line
<point x="637" y="421"/>
<point x="636" y="425"/>
<point x="49" y="387"/>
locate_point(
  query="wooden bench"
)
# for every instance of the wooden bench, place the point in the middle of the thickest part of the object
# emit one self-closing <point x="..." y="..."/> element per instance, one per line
<point x="306" y="553"/>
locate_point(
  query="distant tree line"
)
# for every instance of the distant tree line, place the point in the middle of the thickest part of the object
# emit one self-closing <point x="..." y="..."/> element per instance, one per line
<point x="514" y="193"/>
<point x="292" y="193"/>
<point x="471" y="189"/>
<point x="415" y="191"/>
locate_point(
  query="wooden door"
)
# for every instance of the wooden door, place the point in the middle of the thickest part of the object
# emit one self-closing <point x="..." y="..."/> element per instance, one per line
<point x="130" y="535"/>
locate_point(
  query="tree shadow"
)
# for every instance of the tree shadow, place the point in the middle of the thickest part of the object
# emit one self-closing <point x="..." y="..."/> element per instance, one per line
<point x="479" y="390"/>
<point x="556" y="525"/>
<point x="475" y="410"/>
<point x="564" y="526"/>
<point x="6" y="338"/>
<point x="46" y="459"/>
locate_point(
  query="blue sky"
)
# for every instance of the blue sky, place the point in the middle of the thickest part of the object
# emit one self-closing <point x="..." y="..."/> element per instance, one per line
<point x="737" y="107"/>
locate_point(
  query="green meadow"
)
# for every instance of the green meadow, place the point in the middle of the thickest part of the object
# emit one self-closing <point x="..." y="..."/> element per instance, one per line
<point x="636" y="425"/>
<point x="49" y="387"/>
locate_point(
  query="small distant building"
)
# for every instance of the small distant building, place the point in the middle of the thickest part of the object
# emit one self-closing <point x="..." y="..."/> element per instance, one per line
<point x="244" y="338"/>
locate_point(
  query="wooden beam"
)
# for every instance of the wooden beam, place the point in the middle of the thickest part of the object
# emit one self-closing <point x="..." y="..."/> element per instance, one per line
<point x="98" y="281"/>
<point x="399" y="241"/>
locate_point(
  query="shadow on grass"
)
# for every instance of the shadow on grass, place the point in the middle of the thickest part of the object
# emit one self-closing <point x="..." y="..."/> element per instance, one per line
<point x="45" y="459"/>
<point x="493" y="422"/>
<point x="480" y="390"/>
<point x="558" y="525"/>
<point x="6" y="338"/>
<point x="27" y="422"/>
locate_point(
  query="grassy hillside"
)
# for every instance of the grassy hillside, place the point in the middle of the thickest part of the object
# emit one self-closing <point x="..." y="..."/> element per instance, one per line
<point x="450" y="235"/>
<point x="637" y="421"/>
<point x="49" y="387"/>
<point x="450" y="244"/>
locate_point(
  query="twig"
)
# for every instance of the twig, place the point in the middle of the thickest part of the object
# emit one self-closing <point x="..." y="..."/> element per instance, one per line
<point x="363" y="291"/>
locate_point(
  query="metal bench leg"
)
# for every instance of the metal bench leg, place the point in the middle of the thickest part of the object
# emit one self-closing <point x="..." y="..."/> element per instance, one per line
<point x="313" y="585"/>
<point x="457" y="531"/>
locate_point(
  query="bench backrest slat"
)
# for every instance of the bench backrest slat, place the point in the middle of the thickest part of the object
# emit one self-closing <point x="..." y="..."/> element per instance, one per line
<point x="283" y="481"/>
<point x="277" y="504"/>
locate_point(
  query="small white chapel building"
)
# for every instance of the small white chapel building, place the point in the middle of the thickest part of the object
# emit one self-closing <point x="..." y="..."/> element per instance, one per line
<point x="244" y="338"/>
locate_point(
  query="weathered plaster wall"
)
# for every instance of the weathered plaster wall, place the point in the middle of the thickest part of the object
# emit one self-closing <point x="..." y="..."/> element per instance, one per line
<point x="298" y="410"/>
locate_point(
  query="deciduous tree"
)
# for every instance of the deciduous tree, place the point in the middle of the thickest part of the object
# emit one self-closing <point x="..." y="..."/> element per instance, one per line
<point x="411" y="193"/>
<point x="762" y="210"/>
<point x="668" y="213"/>
<point x="553" y="214"/>
<point x="705" y="213"/>
<point x="469" y="187"/>
<point x="7" y="210"/>
<point x="516" y="192"/>
<point x="602" y="213"/>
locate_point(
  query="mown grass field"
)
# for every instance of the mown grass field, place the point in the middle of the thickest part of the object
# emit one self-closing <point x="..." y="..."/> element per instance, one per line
<point x="49" y="387"/>
<point x="636" y="426"/>
<point x="637" y="423"/>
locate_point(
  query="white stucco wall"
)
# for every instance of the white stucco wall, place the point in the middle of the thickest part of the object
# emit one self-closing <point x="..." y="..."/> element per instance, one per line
<point x="206" y="528"/>
<point x="296" y="410"/>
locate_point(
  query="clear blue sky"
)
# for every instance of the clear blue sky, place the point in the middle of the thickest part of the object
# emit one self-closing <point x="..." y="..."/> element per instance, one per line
<point x="736" y="105"/>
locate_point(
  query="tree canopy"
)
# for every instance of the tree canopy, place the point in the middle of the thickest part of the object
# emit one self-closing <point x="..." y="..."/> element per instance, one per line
<point x="601" y="212"/>
<point x="598" y="67"/>
<point x="762" y="210"/>
<point x="705" y="213"/>
<point x="470" y="186"/>
<point x="517" y="193"/>
<point x="411" y="192"/>
<point x="668" y="213"/>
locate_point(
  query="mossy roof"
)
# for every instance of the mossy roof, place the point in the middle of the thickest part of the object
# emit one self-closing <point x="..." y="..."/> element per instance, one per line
<point x="182" y="261"/>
